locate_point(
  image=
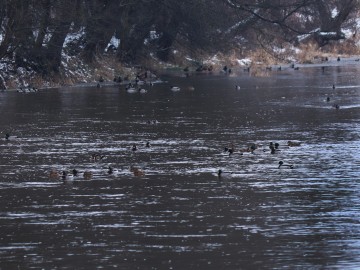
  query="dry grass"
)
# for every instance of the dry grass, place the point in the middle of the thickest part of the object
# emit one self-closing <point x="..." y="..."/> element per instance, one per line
<point x="346" y="47"/>
<point x="308" y="53"/>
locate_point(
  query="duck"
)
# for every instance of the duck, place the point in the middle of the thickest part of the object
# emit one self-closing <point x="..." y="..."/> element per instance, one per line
<point x="274" y="145"/>
<point x="147" y="144"/>
<point x="336" y="106"/>
<point x="143" y="91"/>
<point x="291" y="143"/>
<point x="66" y="176"/>
<point x="134" y="147"/>
<point x="112" y="171"/>
<point x="54" y="174"/>
<point x="175" y="88"/>
<point x="230" y="149"/>
<point x="252" y="147"/>
<point x="9" y="137"/>
<point x="97" y="157"/>
<point x="132" y="90"/>
<point x="136" y="171"/>
<point x="21" y="90"/>
<point x="281" y="164"/>
<point x="87" y="175"/>
<point x="220" y="174"/>
<point x="237" y="87"/>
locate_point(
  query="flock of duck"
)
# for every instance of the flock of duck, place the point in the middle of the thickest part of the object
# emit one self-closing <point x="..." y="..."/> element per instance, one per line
<point x="138" y="85"/>
<point x="273" y="147"/>
<point x="75" y="174"/>
<point x="87" y="174"/>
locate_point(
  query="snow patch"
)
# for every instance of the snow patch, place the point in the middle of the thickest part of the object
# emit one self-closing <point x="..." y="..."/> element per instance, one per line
<point x="244" y="62"/>
<point x="114" y="43"/>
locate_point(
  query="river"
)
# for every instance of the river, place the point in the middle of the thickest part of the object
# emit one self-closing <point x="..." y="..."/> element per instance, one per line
<point x="180" y="214"/>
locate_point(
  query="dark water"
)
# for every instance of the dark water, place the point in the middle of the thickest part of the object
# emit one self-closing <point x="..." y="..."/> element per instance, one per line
<point x="180" y="215"/>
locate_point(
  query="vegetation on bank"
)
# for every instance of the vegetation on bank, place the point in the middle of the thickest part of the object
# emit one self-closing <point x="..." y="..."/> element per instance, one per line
<point x="50" y="43"/>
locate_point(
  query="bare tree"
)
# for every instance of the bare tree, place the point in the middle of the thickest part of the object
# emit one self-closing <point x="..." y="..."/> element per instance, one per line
<point x="324" y="18"/>
<point x="332" y="15"/>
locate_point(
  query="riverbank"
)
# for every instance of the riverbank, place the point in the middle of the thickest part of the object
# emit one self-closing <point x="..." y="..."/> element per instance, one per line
<point x="74" y="72"/>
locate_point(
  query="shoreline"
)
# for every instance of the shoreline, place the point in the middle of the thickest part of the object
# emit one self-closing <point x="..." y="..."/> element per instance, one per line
<point x="253" y="69"/>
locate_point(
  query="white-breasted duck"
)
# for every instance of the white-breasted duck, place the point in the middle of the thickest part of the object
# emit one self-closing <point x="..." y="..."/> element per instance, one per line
<point x="281" y="164"/>
<point x="175" y="88"/>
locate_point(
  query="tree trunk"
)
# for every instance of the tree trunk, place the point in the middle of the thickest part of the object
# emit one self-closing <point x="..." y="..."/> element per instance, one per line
<point x="330" y="27"/>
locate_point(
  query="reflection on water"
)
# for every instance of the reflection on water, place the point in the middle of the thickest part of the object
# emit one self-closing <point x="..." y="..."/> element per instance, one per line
<point x="180" y="215"/>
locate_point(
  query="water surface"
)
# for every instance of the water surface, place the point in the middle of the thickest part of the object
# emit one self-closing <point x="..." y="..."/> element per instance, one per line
<point x="180" y="215"/>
